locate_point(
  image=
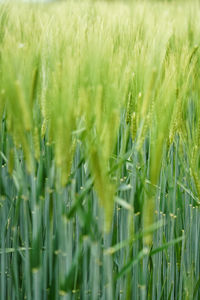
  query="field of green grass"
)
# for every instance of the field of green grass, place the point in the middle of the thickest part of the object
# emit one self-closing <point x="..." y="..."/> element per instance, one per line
<point x="100" y="151"/>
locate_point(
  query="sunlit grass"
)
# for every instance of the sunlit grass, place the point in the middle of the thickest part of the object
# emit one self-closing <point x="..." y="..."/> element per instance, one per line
<point x="99" y="151"/>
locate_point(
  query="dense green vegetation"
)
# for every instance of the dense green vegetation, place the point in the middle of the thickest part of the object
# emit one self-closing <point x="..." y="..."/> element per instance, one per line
<point x="100" y="151"/>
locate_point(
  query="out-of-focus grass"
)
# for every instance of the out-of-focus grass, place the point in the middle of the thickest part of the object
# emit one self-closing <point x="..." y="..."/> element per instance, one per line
<point x="99" y="151"/>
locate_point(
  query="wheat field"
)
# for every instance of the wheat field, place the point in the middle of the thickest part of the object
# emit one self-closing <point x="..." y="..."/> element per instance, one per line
<point x="100" y="150"/>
